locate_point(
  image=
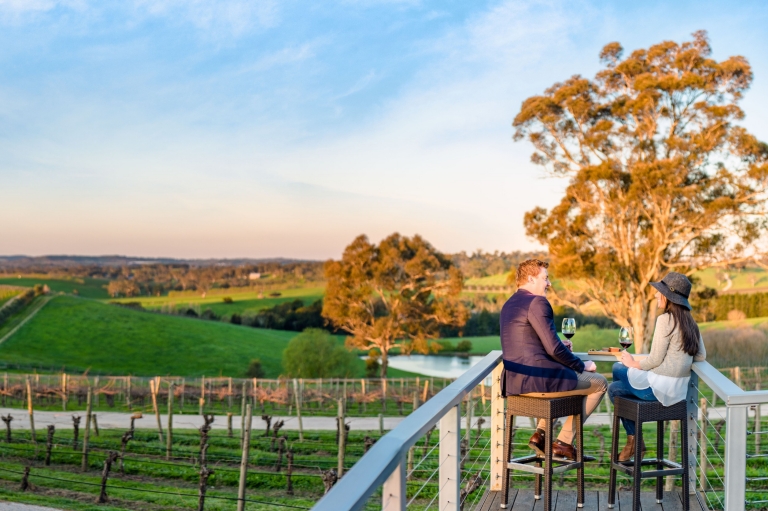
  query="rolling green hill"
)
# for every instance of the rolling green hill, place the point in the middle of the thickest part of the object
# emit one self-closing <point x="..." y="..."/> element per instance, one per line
<point x="84" y="334"/>
<point x="79" y="334"/>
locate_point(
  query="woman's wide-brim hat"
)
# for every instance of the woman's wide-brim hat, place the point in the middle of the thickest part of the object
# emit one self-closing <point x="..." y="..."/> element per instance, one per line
<point x="676" y="288"/>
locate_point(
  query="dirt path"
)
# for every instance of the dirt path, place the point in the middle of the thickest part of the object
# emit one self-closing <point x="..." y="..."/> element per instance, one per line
<point x="14" y="506"/>
<point x="31" y="315"/>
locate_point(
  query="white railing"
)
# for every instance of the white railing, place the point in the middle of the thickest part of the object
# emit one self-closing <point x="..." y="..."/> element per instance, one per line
<point x="380" y="479"/>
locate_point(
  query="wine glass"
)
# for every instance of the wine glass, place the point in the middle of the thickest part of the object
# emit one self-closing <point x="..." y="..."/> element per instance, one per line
<point x="569" y="327"/>
<point x="625" y="337"/>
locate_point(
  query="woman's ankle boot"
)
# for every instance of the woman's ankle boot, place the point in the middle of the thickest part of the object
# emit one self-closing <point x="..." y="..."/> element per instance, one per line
<point x="629" y="449"/>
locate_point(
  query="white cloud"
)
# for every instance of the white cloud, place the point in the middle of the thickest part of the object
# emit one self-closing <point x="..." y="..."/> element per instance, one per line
<point x="233" y="17"/>
<point x="14" y="9"/>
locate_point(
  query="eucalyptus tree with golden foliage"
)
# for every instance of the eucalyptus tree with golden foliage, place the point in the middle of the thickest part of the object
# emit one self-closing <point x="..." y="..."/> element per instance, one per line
<point x="396" y="294"/>
<point x="661" y="176"/>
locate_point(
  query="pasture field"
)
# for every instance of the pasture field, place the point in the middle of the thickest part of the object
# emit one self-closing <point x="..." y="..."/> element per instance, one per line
<point x="85" y="287"/>
<point x="242" y="301"/>
<point x="491" y="280"/>
<point x="746" y="280"/>
<point x="80" y="334"/>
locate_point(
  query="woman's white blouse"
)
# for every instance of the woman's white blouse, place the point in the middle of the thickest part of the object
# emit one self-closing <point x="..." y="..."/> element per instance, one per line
<point x="667" y="389"/>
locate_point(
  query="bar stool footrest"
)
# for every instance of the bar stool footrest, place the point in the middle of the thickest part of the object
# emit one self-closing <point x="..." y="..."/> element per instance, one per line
<point x="671" y="468"/>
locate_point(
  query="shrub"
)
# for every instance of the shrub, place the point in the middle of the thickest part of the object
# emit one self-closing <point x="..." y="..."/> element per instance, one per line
<point x="235" y="319"/>
<point x="129" y="305"/>
<point x="736" y="315"/>
<point x="15" y="304"/>
<point x="315" y="353"/>
<point x="464" y="346"/>
<point x="255" y="370"/>
<point x="372" y="364"/>
<point x="730" y="347"/>
<point x="227" y="299"/>
<point x="208" y="314"/>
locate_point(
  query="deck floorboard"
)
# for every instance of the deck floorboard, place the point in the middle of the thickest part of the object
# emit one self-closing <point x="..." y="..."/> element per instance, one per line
<point x="522" y="500"/>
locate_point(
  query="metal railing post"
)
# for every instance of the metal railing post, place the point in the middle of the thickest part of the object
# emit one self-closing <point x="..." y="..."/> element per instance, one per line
<point x="497" y="429"/>
<point x="393" y="490"/>
<point x="450" y="467"/>
<point x="736" y="458"/>
<point x="692" y="403"/>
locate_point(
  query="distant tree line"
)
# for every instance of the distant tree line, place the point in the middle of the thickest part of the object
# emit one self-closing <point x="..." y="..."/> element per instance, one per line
<point x="485" y="322"/>
<point x="751" y="305"/>
<point x="483" y="264"/>
<point x="159" y="279"/>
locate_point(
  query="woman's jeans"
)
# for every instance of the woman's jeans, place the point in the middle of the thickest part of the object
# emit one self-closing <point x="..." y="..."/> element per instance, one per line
<point x="621" y="388"/>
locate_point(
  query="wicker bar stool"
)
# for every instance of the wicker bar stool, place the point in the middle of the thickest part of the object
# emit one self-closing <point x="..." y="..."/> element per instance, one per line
<point x="640" y="412"/>
<point x="549" y="409"/>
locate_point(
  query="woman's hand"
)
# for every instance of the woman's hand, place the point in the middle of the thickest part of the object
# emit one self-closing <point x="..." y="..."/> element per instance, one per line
<point x="628" y="361"/>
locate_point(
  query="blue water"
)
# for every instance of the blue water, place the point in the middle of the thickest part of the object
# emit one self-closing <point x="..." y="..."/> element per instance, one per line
<point x="433" y="365"/>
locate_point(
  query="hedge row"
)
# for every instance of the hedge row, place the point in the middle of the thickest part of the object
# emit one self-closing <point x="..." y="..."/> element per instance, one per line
<point x="15" y="304"/>
<point x="752" y="305"/>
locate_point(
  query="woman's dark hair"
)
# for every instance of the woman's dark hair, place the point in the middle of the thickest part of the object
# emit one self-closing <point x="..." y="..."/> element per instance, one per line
<point x="689" y="330"/>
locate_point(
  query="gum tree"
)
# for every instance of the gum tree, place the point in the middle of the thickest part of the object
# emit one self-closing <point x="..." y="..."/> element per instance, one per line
<point x="661" y="176"/>
<point x="395" y="294"/>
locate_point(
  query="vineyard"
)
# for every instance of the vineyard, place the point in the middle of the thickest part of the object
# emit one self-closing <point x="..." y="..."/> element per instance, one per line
<point x="72" y="463"/>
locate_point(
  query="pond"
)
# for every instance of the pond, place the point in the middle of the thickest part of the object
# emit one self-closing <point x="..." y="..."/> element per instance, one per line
<point x="434" y="365"/>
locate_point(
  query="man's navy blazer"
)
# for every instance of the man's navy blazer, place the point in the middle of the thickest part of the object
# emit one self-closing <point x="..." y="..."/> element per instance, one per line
<point x="535" y="360"/>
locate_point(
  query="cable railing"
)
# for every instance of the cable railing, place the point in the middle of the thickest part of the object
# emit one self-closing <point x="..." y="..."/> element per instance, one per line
<point x="438" y="457"/>
<point x="444" y="455"/>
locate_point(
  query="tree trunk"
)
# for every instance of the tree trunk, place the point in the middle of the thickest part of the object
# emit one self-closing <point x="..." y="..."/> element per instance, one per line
<point x="642" y="323"/>
<point x="384" y="363"/>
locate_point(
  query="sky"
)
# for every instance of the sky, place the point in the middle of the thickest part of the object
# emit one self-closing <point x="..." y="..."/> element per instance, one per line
<point x="246" y="128"/>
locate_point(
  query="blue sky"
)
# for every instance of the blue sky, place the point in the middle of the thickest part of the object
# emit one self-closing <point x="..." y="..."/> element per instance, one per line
<point x="243" y="128"/>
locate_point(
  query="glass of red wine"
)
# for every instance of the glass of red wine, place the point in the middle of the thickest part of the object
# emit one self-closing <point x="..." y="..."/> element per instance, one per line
<point x="569" y="327"/>
<point x="625" y="337"/>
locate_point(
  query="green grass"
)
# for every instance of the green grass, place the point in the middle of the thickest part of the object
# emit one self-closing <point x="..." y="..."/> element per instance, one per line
<point x="86" y="287"/>
<point x="742" y="280"/>
<point x="243" y="302"/>
<point x="77" y="334"/>
<point x="586" y="338"/>
<point x="491" y="280"/>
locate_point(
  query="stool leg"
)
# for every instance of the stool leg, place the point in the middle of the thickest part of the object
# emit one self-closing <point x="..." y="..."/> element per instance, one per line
<point x="638" y="467"/>
<point x="537" y="486"/>
<point x="614" y="459"/>
<point x="659" y="459"/>
<point x="537" y="477"/>
<point x="686" y="479"/>
<point x="580" y="459"/>
<point x="548" y="467"/>
<point x="505" y="469"/>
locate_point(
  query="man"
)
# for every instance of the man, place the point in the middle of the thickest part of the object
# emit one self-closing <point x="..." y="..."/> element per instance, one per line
<point x="536" y="362"/>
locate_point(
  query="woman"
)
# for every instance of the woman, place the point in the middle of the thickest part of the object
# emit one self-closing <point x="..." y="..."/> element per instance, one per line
<point x="664" y="375"/>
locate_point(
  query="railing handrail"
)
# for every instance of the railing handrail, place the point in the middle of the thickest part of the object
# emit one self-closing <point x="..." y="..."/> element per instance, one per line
<point x="369" y="473"/>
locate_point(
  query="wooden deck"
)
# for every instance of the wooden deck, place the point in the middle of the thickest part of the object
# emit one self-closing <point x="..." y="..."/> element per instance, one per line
<point x="522" y="500"/>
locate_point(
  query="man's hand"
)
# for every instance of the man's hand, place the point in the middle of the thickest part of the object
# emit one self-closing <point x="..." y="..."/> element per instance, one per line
<point x="590" y="366"/>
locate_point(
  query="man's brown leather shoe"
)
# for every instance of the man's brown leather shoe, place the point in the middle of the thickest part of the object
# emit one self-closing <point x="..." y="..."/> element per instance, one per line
<point x="537" y="442"/>
<point x="563" y="450"/>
